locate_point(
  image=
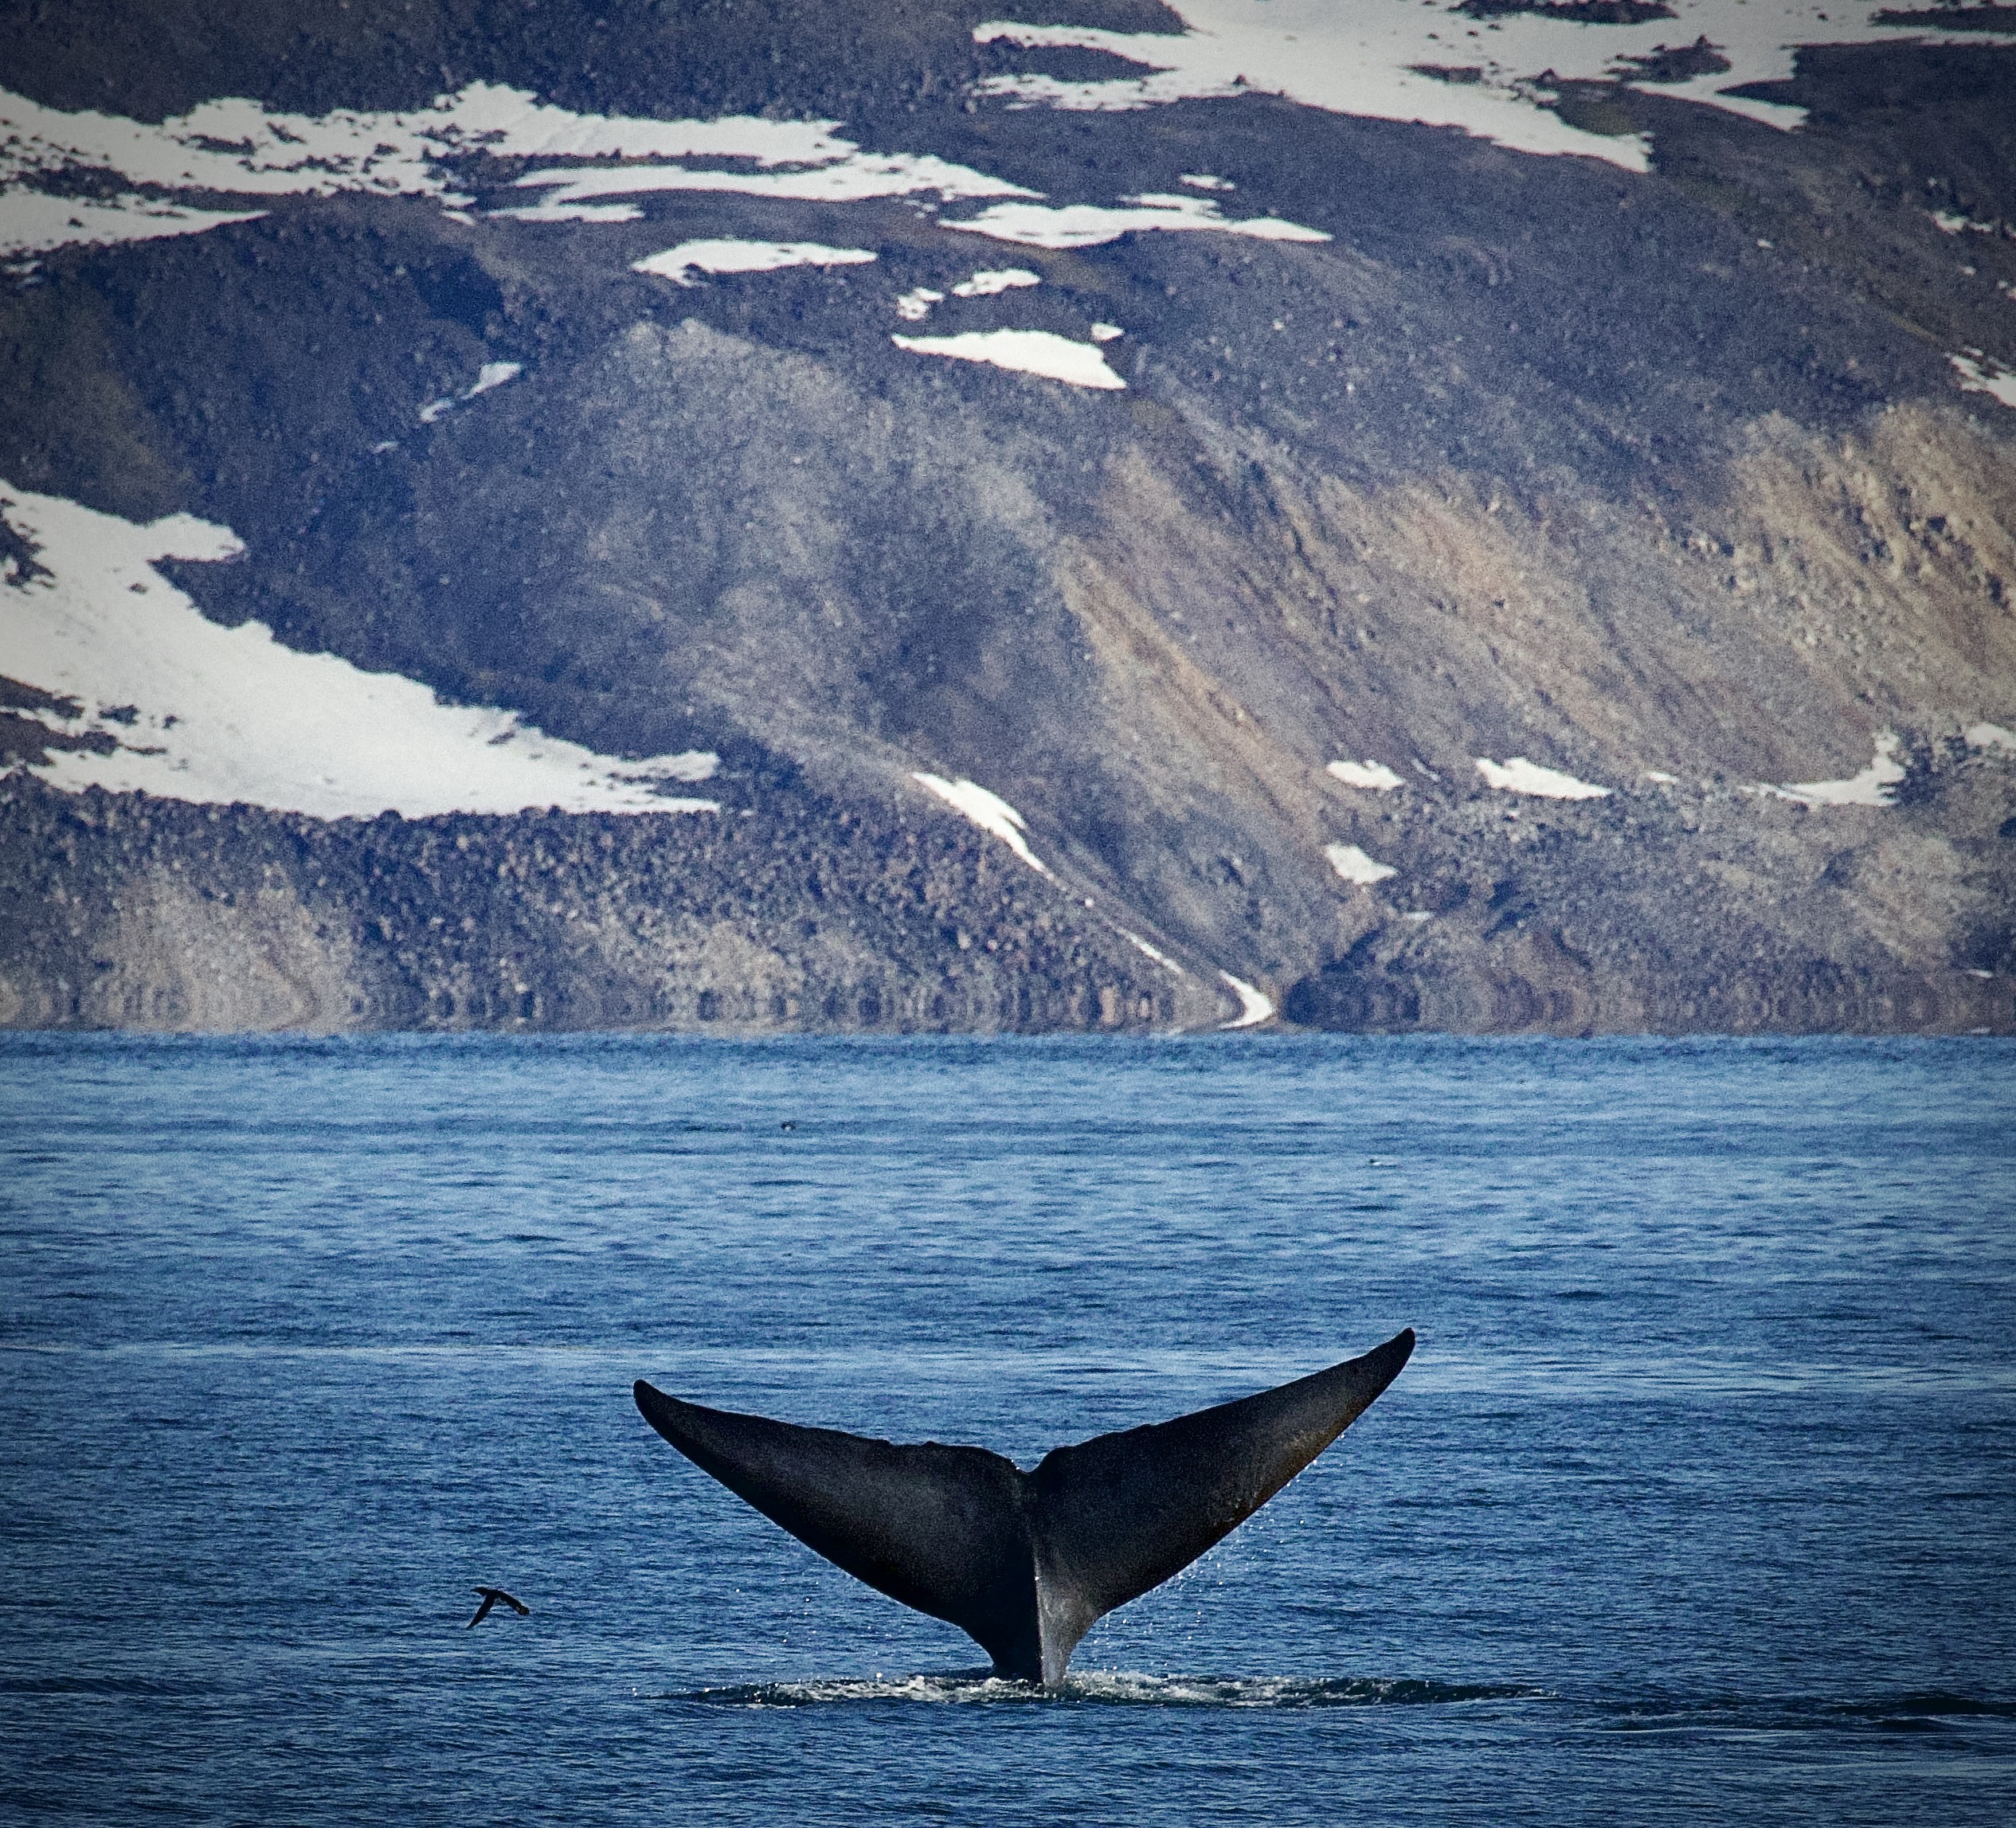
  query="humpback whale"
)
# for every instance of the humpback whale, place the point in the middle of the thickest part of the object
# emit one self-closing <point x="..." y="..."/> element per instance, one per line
<point x="1025" y="1563"/>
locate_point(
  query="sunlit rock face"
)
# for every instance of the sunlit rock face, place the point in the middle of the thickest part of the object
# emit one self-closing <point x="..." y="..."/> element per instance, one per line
<point x="1362" y="514"/>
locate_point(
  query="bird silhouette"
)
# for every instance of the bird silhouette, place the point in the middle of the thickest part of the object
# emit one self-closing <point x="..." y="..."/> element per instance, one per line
<point x="490" y="1596"/>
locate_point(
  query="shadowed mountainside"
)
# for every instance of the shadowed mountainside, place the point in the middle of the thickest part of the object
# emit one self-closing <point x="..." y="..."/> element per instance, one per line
<point x="1666" y="482"/>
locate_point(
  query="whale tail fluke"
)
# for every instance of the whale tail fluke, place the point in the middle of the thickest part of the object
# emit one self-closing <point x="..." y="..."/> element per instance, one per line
<point x="1026" y="1563"/>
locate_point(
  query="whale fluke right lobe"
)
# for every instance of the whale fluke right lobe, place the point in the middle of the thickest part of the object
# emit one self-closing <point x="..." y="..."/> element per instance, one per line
<point x="1122" y="1513"/>
<point x="1026" y="1563"/>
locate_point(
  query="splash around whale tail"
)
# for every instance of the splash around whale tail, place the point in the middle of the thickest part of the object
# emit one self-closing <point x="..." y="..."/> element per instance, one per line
<point x="1025" y="1563"/>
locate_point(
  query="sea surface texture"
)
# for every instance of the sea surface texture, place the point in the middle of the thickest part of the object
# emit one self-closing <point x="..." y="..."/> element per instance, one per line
<point x="1696" y="1505"/>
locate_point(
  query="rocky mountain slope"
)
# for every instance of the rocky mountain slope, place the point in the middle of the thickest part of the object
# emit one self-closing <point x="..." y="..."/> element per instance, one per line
<point x="1074" y="534"/>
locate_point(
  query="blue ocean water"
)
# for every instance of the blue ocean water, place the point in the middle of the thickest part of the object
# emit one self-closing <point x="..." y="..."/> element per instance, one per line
<point x="1697" y="1501"/>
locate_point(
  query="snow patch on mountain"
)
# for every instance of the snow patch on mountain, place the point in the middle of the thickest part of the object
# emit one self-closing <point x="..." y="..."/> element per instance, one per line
<point x="491" y="374"/>
<point x="1375" y="777"/>
<point x="234" y="145"/>
<point x="237" y="147"/>
<point x="1951" y="222"/>
<point x="1873" y="787"/>
<point x="1395" y="59"/>
<point x="1026" y="351"/>
<point x="552" y="212"/>
<point x="1983" y="373"/>
<point x="678" y="264"/>
<point x="1155" y="953"/>
<point x="494" y="374"/>
<point x="855" y="177"/>
<point x="988" y="811"/>
<point x="1255" y="1006"/>
<point x="1090" y="224"/>
<point x="1419" y="60"/>
<point x="1520" y="776"/>
<point x="986" y="284"/>
<point x="1355" y="865"/>
<point x="195" y="712"/>
<point x="37" y="221"/>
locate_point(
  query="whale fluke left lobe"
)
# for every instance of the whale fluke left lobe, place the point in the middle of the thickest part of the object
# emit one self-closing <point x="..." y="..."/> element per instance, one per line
<point x="941" y="1528"/>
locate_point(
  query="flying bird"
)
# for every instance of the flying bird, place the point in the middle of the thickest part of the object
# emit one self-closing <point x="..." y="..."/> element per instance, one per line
<point x="490" y="1596"/>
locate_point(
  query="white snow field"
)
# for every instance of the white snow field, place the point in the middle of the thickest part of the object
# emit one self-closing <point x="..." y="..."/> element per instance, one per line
<point x="199" y="712"/>
<point x="1374" y="776"/>
<point x="679" y="264"/>
<point x="1025" y="351"/>
<point x="995" y="279"/>
<point x="1255" y="1006"/>
<point x="1519" y="776"/>
<point x="1420" y="61"/>
<point x="989" y="811"/>
<point x="1355" y="865"/>
<point x="234" y="147"/>
<point x="1873" y="787"/>
<point x="1090" y="224"/>
<point x="1983" y="373"/>
<point x="1381" y="58"/>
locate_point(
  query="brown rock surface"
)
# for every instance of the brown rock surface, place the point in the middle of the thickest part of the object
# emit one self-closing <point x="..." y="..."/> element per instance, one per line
<point x="1666" y="482"/>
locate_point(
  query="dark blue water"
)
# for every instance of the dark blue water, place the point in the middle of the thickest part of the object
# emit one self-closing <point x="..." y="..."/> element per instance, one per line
<point x="1698" y="1502"/>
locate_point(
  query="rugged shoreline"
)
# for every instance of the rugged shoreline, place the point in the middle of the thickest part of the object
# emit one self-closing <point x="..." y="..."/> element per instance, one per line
<point x="126" y="911"/>
<point x="1658" y="912"/>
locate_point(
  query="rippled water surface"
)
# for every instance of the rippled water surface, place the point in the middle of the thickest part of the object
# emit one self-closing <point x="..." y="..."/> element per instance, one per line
<point x="1698" y="1503"/>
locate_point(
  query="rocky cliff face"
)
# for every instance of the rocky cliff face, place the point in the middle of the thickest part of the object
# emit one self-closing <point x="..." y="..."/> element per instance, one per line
<point x="1451" y="585"/>
<point x="141" y="913"/>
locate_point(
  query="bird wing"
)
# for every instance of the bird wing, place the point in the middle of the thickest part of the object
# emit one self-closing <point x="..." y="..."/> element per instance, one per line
<point x="482" y="1611"/>
<point x="1119" y="1514"/>
<point x="941" y="1528"/>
